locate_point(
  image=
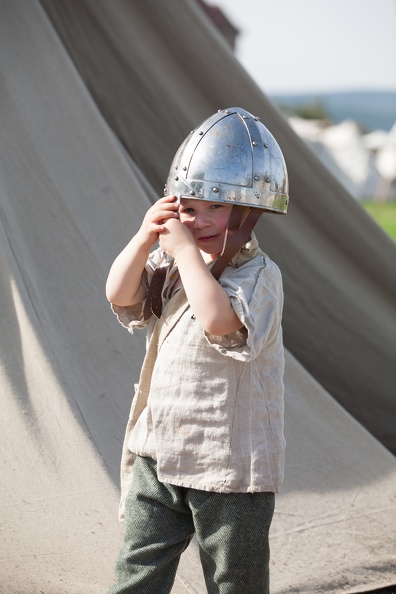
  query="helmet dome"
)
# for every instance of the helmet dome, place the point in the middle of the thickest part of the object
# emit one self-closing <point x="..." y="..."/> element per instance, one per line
<point x="233" y="158"/>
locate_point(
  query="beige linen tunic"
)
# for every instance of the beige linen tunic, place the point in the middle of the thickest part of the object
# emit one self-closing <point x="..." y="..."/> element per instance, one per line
<point x="214" y="415"/>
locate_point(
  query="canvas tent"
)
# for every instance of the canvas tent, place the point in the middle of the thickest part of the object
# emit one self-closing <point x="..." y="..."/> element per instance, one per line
<point x="95" y="98"/>
<point x="343" y="149"/>
<point x="385" y="161"/>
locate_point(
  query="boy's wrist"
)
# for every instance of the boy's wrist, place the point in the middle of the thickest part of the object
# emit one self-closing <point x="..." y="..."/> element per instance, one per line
<point x="144" y="241"/>
<point x="178" y="252"/>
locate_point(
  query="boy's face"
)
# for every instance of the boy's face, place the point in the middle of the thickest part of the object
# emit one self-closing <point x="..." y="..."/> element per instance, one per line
<point x="207" y="221"/>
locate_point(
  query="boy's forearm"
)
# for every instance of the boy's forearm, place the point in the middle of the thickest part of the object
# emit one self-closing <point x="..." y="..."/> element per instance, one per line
<point x="124" y="286"/>
<point x="208" y="300"/>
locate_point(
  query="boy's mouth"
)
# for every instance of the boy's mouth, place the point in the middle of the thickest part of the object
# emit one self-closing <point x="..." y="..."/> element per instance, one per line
<point x="207" y="238"/>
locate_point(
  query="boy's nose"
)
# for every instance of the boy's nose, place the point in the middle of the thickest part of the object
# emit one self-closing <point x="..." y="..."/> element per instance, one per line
<point x="200" y="220"/>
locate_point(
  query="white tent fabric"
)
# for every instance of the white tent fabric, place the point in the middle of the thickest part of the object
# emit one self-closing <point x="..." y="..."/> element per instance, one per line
<point x="155" y="74"/>
<point x="343" y="150"/>
<point x="386" y="157"/>
<point x="70" y="197"/>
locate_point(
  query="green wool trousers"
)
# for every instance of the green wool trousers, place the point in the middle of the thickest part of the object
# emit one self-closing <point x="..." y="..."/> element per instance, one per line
<point x="160" y="521"/>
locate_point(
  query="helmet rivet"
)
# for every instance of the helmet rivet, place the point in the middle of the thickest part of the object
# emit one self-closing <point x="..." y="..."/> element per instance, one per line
<point x="215" y="190"/>
<point x="184" y="168"/>
<point x="257" y="119"/>
<point x="176" y="166"/>
<point x="256" y="177"/>
<point x="201" y="133"/>
<point x="265" y="145"/>
<point x="268" y="179"/>
<point x="177" y="178"/>
<point x="254" y="143"/>
<point x="192" y="193"/>
<point x="245" y="117"/>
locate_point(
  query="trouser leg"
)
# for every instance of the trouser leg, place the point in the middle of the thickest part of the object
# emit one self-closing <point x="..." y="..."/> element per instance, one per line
<point x="158" y="528"/>
<point x="232" y="532"/>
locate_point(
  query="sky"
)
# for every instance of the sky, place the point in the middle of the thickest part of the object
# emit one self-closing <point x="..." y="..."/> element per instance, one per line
<point x="302" y="46"/>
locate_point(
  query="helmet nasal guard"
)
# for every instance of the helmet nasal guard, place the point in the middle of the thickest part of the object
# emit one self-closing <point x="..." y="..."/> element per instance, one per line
<point x="232" y="158"/>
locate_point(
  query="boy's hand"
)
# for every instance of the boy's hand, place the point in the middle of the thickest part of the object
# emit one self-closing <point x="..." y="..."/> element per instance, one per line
<point x="175" y="237"/>
<point x="154" y="221"/>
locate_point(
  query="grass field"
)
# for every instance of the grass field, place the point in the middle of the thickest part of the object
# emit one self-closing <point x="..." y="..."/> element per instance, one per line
<point x="384" y="213"/>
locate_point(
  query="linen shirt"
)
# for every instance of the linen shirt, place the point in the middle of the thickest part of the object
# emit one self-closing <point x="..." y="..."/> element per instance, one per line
<point x="214" y="415"/>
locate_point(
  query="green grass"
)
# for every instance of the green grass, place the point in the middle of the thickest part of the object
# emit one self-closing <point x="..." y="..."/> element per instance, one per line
<point x="384" y="213"/>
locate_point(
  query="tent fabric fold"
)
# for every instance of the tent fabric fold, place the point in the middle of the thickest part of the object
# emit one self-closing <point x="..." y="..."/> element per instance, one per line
<point x="86" y="143"/>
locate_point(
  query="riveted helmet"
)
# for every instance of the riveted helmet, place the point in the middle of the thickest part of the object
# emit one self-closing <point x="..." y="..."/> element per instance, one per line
<point x="233" y="158"/>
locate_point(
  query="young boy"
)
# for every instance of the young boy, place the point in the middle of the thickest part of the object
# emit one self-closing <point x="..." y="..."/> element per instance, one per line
<point x="205" y="434"/>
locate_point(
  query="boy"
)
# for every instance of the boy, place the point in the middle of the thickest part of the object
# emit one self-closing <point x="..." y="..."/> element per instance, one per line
<point x="205" y="434"/>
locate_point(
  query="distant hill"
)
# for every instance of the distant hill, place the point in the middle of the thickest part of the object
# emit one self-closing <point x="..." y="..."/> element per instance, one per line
<point x="372" y="110"/>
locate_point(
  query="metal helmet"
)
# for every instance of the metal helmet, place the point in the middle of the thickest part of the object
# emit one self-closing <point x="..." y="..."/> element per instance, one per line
<point x="231" y="157"/>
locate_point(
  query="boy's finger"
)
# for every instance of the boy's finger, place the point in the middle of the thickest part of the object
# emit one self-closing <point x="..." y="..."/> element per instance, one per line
<point x="165" y="214"/>
<point x="168" y="199"/>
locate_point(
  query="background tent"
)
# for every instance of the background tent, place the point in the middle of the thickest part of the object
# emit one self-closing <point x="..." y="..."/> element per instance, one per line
<point x="70" y="197"/>
<point x="155" y="74"/>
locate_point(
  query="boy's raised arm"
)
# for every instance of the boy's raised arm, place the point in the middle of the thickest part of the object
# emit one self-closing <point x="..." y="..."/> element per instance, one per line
<point x="207" y="298"/>
<point x="124" y="286"/>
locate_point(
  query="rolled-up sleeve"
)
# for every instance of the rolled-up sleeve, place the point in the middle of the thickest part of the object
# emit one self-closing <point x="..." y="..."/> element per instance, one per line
<point x="130" y="316"/>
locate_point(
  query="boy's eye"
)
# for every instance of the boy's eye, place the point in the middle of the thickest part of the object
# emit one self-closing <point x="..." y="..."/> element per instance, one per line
<point x="187" y="210"/>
